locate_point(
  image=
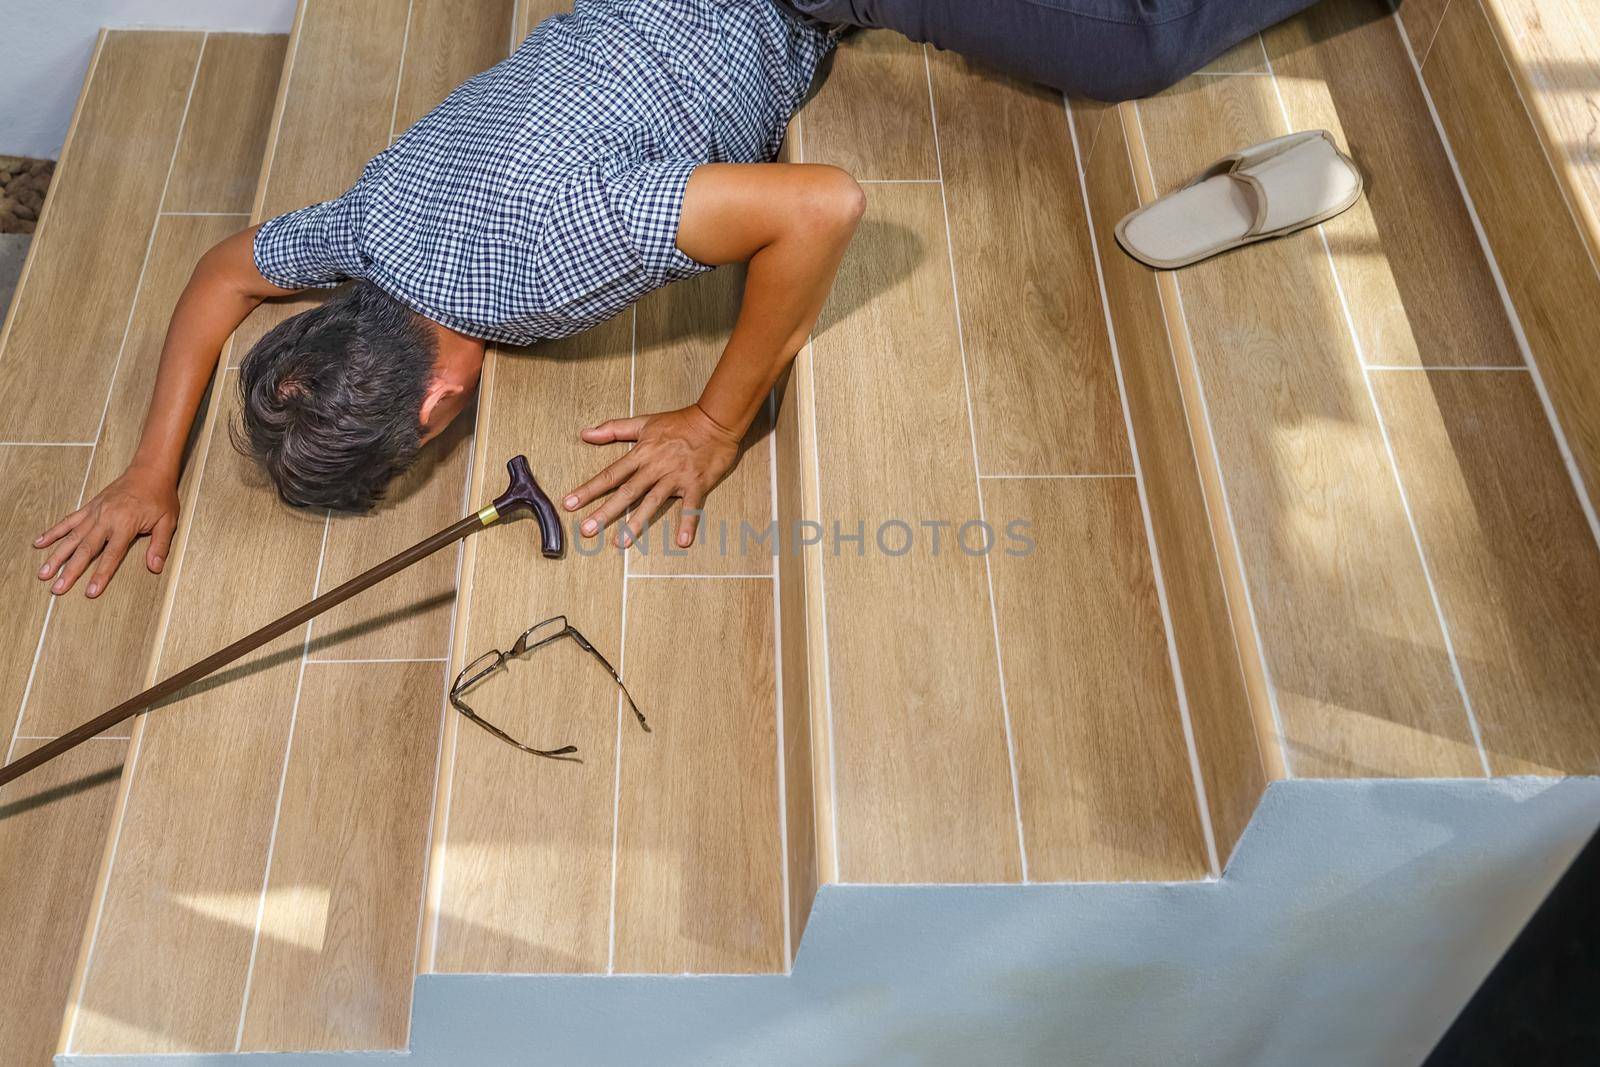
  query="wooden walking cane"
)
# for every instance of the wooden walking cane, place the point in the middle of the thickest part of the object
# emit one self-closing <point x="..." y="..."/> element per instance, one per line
<point x="523" y="494"/>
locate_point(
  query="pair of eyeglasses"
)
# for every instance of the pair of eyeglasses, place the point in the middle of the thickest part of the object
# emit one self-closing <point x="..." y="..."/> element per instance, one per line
<point x="534" y="637"/>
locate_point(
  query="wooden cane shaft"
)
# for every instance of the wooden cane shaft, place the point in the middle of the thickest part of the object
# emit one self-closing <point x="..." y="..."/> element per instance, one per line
<point x="249" y="643"/>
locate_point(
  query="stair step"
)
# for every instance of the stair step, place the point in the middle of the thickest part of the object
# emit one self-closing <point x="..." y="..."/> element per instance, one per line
<point x="1516" y="84"/>
<point x="158" y="165"/>
<point x="1403" y="522"/>
<point x="264" y="858"/>
<point x="1297" y="511"/>
<point x="1013" y="715"/>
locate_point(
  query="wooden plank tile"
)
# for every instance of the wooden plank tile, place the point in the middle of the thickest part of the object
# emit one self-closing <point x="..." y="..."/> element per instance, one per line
<point x="1514" y="559"/>
<point x="410" y="618"/>
<point x="524" y="883"/>
<point x="40" y="484"/>
<point x="52" y="832"/>
<point x="339" y="103"/>
<point x="1341" y="67"/>
<point x="119" y="626"/>
<point x="806" y="822"/>
<point x="219" y="156"/>
<point x="1419" y="19"/>
<point x="184" y="888"/>
<point x="699" y="856"/>
<point x="870" y="115"/>
<point x="339" y="926"/>
<point x="1546" y="264"/>
<point x="1555" y="46"/>
<point x="532" y="12"/>
<point x="924" y="785"/>
<point x="1226" y="720"/>
<point x="1102" y="770"/>
<point x="1363" y="682"/>
<point x="84" y="267"/>
<point x="450" y="41"/>
<point x="317" y="151"/>
<point x="1086" y="116"/>
<point x="681" y="333"/>
<point x="1044" y="393"/>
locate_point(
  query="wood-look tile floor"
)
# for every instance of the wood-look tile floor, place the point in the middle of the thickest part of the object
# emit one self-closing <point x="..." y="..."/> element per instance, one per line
<point x="1417" y="554"/>
<point x="1056" y="699"/>
<point x="173" y="125"/>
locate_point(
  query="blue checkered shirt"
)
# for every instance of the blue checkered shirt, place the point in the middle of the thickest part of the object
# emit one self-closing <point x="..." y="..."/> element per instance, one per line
<point x="542" y="197"/>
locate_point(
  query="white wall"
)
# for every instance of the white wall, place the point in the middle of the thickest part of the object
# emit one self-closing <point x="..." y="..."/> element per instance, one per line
<point x="45" y="47"/>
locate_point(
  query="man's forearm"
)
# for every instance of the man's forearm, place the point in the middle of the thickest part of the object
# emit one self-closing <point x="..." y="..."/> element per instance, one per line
<point x="791" y="224"/>
<point x="785" y="287"/>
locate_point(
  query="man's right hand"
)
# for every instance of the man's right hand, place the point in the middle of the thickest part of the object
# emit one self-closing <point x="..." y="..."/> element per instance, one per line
<point x="138" y="503"/>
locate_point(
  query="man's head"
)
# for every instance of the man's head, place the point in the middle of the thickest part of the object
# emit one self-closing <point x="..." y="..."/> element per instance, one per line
<point x="337" y="400"/>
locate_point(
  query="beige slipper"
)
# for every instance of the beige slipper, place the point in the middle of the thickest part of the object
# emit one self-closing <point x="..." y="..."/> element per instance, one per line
<point x="1271" y="189"/>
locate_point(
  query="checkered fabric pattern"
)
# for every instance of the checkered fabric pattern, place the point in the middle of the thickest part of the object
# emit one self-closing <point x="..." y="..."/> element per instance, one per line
<point x="542" y="197"/>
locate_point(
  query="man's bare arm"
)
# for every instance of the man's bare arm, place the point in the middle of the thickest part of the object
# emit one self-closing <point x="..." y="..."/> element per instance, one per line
<point x="792" y="223"/>
<point x="224" y="288"/>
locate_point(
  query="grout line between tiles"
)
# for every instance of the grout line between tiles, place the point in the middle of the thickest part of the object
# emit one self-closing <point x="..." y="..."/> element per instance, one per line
<point x="47" y="444"/>
<point x="280" y="104"/>
<point x="204" y="214"/>
<point x="116" y="367"/>
<point x="398" y="659"/>
<point x="822" y="615"/>
<point x="38" y="650"/>
<point x="435" y="865"/>
<point x="283" y="781"/>
<point x="1515" y="317"/>
<point x="438" y="755"/>
<point x="1397" y="367"/>
<point x="812" y="553"/>
<point x="96" y="737"/>
<point x="327" y="522"/>
<point x="1182" y="319"/>
<point x="977" y="473"/>
<point x="1181" y="691"/>
<point x="622" y="666"/>
<point x="400" y="71"/>
<point x="1051" y="477"/>
<point x="899" y="181"/>
<point x="777" y="686"/>
<point x="466" y="580"/>
<point x="1432" y="37"/>
<point x="1394" y="463"/>
<point x="723" y="577"/>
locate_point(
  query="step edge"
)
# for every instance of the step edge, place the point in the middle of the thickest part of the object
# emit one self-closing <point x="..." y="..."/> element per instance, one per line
<point x="200" y="460"/>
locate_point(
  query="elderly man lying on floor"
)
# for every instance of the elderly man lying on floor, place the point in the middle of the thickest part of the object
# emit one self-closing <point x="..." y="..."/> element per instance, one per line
<point x="624" y="146"/>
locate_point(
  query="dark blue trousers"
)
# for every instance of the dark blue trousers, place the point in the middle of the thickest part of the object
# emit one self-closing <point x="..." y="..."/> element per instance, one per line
<point x="1105" y="49"/>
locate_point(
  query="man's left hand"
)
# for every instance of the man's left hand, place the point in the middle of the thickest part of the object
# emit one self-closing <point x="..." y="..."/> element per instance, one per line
<point x="682" y="454"/>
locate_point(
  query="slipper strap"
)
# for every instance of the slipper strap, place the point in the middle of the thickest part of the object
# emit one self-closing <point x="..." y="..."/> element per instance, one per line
<point x="1258" y="194"/>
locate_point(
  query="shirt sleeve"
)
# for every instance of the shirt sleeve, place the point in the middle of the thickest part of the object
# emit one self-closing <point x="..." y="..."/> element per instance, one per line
<point x="611" y="237"/>
<point x="648" y="201"/>
<point x="312" y="248"/>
